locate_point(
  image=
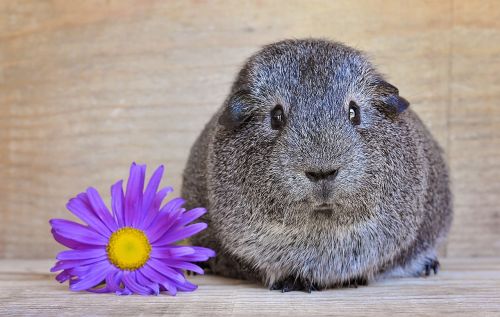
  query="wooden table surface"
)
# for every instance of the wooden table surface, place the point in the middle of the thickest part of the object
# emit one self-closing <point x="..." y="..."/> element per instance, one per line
<point x="465" y="286"/>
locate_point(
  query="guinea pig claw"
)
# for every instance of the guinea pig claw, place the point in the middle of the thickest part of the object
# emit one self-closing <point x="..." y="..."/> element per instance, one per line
<point x="354" y="283"/>
<point x="431" y="264"/>
<point x="293" y="284"/>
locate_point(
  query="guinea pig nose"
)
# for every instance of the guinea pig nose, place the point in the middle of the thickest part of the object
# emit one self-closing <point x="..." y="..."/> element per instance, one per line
<point x="320" y="175"/>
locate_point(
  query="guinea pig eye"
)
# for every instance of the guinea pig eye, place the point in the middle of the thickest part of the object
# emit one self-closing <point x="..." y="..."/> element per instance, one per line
<point x="278" y="119"/>
<point x="354" y="113"/>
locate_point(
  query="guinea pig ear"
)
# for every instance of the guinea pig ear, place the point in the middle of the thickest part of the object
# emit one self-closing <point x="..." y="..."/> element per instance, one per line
<point x="237" y="110"/>
<point x="390" y="98"/>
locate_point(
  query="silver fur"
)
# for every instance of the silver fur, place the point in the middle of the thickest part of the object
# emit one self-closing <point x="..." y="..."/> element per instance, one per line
<point x="390" y="202"/>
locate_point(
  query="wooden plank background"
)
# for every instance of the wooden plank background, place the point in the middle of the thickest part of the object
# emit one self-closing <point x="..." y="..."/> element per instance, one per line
<point x="87" y="87"/>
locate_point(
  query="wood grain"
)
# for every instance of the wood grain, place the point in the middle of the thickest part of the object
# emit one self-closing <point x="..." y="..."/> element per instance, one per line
<point x="464" y="287"/>
<point x="87" y="87"/>
<point x="474" y="128"/>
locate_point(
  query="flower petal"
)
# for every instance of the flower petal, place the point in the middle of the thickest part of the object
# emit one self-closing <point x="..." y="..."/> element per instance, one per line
<point x="117" y="198"/>
<point x="80" y="207"/>
<point x="113" y="280"/>
<point x="201" y="254"/>
<point x="96" y="275"/>
<point x="173" y="205"/>
<point x="63" y="276"/>
<point x="69" y="264"/>
<point x="153" y="211"/>
<point x="81" y="254"/>
<point x="163" y="280"/>
<point x="125" y="291"/>
<point x="75" y="231"/>
<point x="108" y="287"/>
<point x="133" y="195"/>
<point x="187" y="287"/>
<point x="165" y="270"/>
<point x="153" y="274"/>
<point x="184" y="265"/>
<point x="160" y="196"/>
<point x="100" y="209"/>
<point x="171" y="252"/>
<point x="180" y="234"/>
<point x="170" y="287"/>
<point x="143" y="280"/>
<point x="129" y="279"/>
<point x="163" y="222"/>
<point x="189" y="216"/>
<point x="204" y="251"/>
<point x="151" y="188"/>
<point x="78" y="270"/>
<point x="70" y="243"/>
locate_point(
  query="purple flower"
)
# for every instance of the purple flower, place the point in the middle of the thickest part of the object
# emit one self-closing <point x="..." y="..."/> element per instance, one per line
<point x="132" y="249"/>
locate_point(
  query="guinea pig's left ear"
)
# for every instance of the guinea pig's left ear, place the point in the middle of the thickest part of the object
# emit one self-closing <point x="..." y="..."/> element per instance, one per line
<point x="390" y="98"/>
<point x="236" y="111"/>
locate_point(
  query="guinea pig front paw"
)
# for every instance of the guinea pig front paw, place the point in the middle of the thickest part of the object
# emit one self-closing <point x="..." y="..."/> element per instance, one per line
<point x="294" y="284"/>
<point x="431" y="264"/>
<point x="355" y="282"/>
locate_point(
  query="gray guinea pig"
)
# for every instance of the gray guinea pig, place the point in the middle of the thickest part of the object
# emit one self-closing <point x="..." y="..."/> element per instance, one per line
<point x="316" y="174"/>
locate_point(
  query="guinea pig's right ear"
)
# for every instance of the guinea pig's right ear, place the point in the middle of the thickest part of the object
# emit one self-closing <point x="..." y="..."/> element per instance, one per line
<point x="236" y="111"/>
<point x="390" y="98"/>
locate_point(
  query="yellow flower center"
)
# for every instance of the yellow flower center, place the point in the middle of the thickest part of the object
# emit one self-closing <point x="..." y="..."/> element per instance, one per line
<point x="128" y="248"/>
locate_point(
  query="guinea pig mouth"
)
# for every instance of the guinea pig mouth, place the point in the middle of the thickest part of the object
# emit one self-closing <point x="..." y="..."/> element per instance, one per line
<point x="324" y="208"/>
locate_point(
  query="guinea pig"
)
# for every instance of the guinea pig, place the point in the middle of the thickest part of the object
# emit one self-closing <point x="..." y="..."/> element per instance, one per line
<point x="317" y="174"/>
